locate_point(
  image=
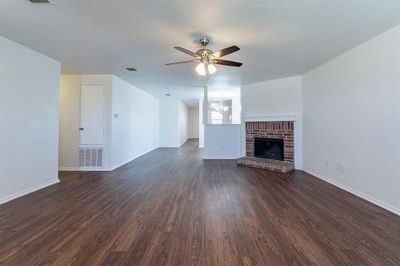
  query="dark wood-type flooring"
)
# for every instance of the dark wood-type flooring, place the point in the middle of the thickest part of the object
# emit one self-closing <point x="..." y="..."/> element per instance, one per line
<point x="169" y="207"/>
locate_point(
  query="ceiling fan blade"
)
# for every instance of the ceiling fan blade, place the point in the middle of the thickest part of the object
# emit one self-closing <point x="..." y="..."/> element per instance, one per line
<point x="227" y="63"/>
<point x="226" y="51"/>
<point x="186" y="51"/>
<point x="182" y="62"/>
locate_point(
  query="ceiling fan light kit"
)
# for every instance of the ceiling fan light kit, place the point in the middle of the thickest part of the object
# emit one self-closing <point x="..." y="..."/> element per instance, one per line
<point x="207" y="59"/>
<point x="201" y="69"/>
<point x="212" y="69"/>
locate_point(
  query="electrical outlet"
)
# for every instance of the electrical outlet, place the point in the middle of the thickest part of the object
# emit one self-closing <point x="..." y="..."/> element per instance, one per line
<point x="340" y="167"/>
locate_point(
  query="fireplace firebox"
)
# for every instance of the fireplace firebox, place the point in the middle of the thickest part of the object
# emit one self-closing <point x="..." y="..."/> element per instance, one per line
<point x="269" y="148"/>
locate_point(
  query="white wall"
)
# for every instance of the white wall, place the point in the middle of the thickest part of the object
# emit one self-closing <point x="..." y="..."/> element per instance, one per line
<point x="135" y="129"/>
<point x="169" y="134"/>
<point x="183" y="122"/>
<point x="69" y="120"/>
<point x="222" y="141"/>
<point x="236" y="110"/>
<point x="352" y="119"/>
<point x="274" y="97"/>
<point x="70" y="88"/>
<point x="173" y="123"/>
<point x="281" y="97"/>
<point x="193" y="123"/>
<point x="29" y="86"/>
<point x="201" y="123"/>
<point x="132" y="134"/>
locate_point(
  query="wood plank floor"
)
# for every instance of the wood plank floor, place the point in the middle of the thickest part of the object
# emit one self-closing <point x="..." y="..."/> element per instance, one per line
<point x="169" y="207"/>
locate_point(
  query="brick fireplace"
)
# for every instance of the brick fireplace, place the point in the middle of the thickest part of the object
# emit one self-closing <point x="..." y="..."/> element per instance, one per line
<point x="277" y="130"/>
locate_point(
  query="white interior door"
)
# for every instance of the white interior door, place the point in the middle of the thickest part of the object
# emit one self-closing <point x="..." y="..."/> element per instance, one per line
<point x="92" y="115"/>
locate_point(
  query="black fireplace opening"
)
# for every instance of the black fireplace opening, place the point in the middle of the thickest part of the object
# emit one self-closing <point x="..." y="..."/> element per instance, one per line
<point x="268" y="148"/>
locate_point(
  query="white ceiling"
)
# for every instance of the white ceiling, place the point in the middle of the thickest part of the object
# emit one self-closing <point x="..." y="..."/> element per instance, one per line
<point x="278" y="38"/>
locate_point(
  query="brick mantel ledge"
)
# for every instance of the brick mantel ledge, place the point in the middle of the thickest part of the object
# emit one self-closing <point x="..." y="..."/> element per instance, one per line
<point x="270" y="118"/>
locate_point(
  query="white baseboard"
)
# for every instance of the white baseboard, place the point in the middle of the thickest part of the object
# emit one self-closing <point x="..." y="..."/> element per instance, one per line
<point x="123" y="163"/>
<point x="298" y="166"/>
<point x="355" y="192"/>
<point x="130" y="160"/>
<point x="174" y="146"/>
<point x="28" y="190"/>
<point x="62" y="168"/>
<point x="183" y="142"/>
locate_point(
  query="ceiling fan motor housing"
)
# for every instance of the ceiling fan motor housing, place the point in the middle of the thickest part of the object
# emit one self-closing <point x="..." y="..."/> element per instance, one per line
<point x="205" y="55"/>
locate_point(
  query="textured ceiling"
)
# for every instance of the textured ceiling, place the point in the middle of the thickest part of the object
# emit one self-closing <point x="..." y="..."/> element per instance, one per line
<point x="278" y="38"/>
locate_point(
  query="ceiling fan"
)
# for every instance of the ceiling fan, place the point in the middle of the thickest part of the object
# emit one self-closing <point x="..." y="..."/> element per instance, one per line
<point x="207" y="58"/>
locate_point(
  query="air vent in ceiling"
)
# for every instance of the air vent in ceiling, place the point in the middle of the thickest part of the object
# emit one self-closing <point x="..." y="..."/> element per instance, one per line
<point x="40" y="1"/>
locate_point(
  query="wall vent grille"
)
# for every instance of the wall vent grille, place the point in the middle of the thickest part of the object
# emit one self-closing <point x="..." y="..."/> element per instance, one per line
<point x="91" y="157"/>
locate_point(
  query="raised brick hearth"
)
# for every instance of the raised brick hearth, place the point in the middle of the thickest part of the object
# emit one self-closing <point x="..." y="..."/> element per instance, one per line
<point x="274" y="130"/>
<point x="273" y="165"/>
